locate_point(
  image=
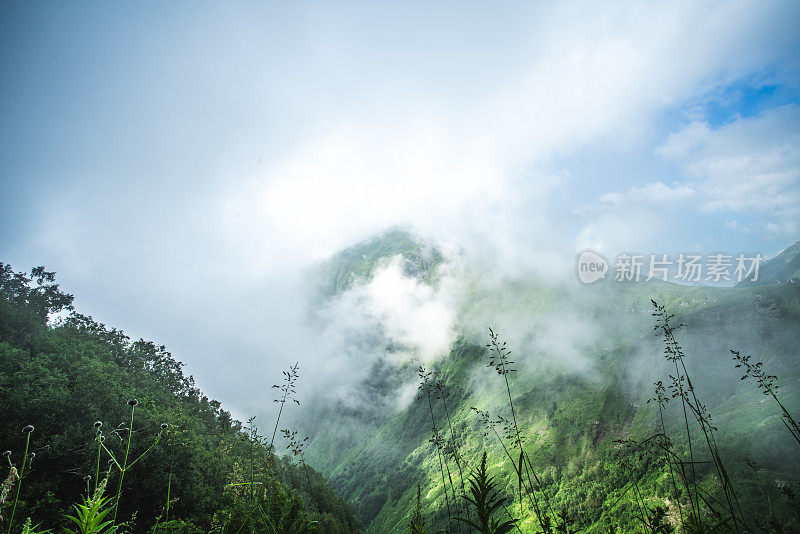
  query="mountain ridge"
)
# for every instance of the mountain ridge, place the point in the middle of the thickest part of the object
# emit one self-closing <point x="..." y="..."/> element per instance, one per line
<point x="567" y="412"/>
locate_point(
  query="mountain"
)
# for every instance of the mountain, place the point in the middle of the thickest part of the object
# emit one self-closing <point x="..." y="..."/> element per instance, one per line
<point x="783" y="268"/>
<point x="586" y="361"/>
<point x="66" y="385"/>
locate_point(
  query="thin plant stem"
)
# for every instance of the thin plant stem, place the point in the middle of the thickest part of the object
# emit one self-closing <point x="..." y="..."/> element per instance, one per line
<point x="169" y="489"/>
<point x="97" y="467"/>
<point x="441" y="465"/>
<point x="19" y="483"/>
<point x="669" y="463"/>
<point x="455" y="445"/>
<point x="124" y="466"/>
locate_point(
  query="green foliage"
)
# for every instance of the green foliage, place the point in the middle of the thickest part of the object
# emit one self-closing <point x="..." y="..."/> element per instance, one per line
<point x="552" y="441"/>
<point x="92" y="515"/>
<point x="65" y="376"/>
<point x="570" y="416"/>
<point x="28" y="528"/>
<point x="417" y="524"/>
<point x="484" y="496"/>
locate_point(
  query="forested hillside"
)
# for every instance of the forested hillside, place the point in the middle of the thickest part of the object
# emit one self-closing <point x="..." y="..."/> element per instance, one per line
<point x="598" y="451"/>
<point x="87" y="403"/>
<point x="553" y="408"/>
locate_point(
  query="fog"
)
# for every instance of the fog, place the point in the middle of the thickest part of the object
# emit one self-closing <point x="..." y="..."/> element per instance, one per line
<point x="184" y="168"/>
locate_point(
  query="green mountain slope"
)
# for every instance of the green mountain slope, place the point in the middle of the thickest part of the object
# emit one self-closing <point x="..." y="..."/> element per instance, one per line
<point x="587" y="360"/>
<point x="63" y="377"/>
<point x="783" y="268"/>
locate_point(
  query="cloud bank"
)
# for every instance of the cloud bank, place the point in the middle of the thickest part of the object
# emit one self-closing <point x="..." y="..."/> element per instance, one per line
<point x="180" y="170"/>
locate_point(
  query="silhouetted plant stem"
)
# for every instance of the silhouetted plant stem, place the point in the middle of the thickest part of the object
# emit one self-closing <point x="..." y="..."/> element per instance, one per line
<point x="502" y="364"/>
<point x="27" y="430"/>
<point x="662" y="400"/>
<point x="425" y="387"/>
<point x="417" y="524"/>
<point x="455" y="444"/>
<point x="287" y="389"/>
<point x="169" y="491"/>
<point x="132" y="404"/>
<point x="529" y="491"/>
<point x="674" y="352"/>
<point x="443" y="446"/>
<point x="767" y="385"/>
<point x="277" y="421"/>
<point x="99" y="437"/>
<point x="251" y="451"/>
<point x="298" y="448"/>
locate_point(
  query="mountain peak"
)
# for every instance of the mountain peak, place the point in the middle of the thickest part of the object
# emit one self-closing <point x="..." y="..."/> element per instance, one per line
<point x="783" y="268"/>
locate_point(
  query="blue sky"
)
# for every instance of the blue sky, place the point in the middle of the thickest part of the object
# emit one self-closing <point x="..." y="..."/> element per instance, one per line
<point x="179" y="164"/>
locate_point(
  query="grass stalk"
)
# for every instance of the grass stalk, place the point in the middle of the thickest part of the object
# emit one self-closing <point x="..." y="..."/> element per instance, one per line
<point x="132" y="403"/>
<point x="27" y="430"/>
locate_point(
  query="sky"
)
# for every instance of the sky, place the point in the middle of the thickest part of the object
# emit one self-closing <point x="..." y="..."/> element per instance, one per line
<point x="180" y="165"/>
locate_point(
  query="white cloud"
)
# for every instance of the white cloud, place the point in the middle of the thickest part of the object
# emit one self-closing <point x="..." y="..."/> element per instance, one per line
<point x="749" y="165"/>
<point x="277" y="147"/>
<point x="591" y="75"/>
<point x="391" y="317"/>
<point x="412" y="313"/>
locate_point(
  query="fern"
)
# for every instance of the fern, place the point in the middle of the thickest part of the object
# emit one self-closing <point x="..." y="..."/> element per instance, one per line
<point x="486" y="500"/>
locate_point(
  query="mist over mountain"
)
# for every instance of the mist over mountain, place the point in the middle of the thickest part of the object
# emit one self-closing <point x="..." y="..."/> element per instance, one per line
<point x="586" y="360"/>
<point x="444" y="266"/>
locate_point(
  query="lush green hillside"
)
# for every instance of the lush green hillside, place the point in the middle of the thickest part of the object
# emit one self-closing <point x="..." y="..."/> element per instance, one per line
<point x="586" y="361"/>
<point x="61" y="378"/>
<point x="598" y="456"/>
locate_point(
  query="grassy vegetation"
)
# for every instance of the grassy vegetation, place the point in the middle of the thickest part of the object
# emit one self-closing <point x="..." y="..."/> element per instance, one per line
<point x="692" y="430"/>
<point x="574" y="419"/>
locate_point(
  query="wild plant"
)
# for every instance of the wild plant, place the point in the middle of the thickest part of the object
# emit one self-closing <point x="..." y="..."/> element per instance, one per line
<point x="253" y="441"/>
<point x="451" y="446"/>
<point x="287" y="391"/>
<point x="27" y="528"/>
<point x="91" y="514"/>
<point x="768" y="386"/>
<point x="417" y="524"/>
<point x="500" y="360"/>
<point x="426" y="387"/>
<point x="681" y="387"/>
<point x="165" y="513"/>
<point x="8" y="483"/>
<point x="484" y="496"/>
<point x="124" y="467"/>
<point x="10" y="479"/>
<point x="298" y="448"/>
<point x="99" y="438"/>
<point x="661" y="398"/>
<point x="169" y="492"/>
